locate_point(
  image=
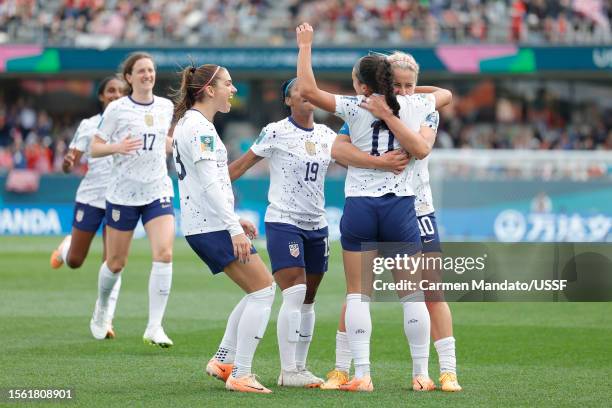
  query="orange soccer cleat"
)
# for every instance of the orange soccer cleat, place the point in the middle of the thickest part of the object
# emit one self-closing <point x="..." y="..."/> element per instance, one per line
<point x="56" y="260"/>
<point x="449" y="383"/>
<point x="422" y="383"/>
<point x="363" y="384"/>
<point x="247" y="383"/>
<point x="219" y="370"/>
<point x="335" y="379"/>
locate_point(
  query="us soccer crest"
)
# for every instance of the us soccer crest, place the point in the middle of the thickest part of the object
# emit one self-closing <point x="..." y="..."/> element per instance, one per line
<point x="311" y="147"/>
<point x="115" y="214"/>
<point x="79" y="215"/>
<point x="148" y="118"/>
<point x="294" y="250"/>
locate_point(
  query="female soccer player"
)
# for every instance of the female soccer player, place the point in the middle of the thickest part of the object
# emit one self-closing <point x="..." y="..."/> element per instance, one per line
<point x="298" y="151"/>
<point x="212" y="228"/>
<point x="405" y="73"/>
<point x="379" y="205"/>
<point x="134" y="129"/>
<point x="90" y="204"/>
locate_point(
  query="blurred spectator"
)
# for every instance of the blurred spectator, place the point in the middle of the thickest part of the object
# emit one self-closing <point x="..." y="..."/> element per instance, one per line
<point x="485" y="114"/>
<point x="242" y="22"/>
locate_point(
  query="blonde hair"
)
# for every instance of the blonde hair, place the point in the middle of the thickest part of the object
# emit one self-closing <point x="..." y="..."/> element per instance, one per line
<point x="403" y="60"/>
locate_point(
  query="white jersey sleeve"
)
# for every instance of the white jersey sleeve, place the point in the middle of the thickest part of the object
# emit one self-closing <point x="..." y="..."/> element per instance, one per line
<point x="424" y="199"/>
<point x="263" y="146"/>
<point x="207" y="200"/>
<point x="84" y="133"/>
<point x="108" y="123"/>
<point x="92" y="189"/>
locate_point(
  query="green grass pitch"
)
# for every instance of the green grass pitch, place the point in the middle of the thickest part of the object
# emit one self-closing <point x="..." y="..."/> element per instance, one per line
<point x="509" y="354"/>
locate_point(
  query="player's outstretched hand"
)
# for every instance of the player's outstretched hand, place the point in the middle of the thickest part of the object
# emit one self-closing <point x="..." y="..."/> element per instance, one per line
<point x="377" y="106"/>
<point x="242" y="247"/>
<point x="304" y="34"/>
<point x="249" y="228"/>
<point x="128" y="145"/>
<point x="68" y="162"/>
<point x="395" y="161"/>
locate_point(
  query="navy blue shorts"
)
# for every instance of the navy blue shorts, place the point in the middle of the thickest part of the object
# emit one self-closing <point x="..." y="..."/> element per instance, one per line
<point x="125" y="217"/>
<point x="86" y="217"/>
<point x="371" y="220"/>
<point x="429" y="233"/>
<point x="214" y="248"/>
<point x="290" y="246"/>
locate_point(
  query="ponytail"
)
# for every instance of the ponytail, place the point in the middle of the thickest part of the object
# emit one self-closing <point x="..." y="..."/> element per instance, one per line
<point x="384" y="79"/>
<point x="184" y="97"/>
<point x="375" y="72"/>
<point x="193" y="82"/>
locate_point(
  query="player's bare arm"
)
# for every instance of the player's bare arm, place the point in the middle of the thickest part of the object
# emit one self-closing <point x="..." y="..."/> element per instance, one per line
<point x="239" y="166"/>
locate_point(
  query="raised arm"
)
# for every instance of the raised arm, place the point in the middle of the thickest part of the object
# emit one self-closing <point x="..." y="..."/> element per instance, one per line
<point x="443" y="96"/>
<point x="418" y="144"/>
<point x="346" y="153"/>
<point x="305" y="76"/>
<point x="239" y="166"/>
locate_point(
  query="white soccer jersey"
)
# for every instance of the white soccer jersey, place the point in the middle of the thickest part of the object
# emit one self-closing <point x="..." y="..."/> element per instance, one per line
<point x="92" y="189"/>
<point x="424" y="200"/>
<point x="370" y="135"/>
<point x="299" y="159"/>
<point x="141" y="177"/>
<point x="196" y="139"/>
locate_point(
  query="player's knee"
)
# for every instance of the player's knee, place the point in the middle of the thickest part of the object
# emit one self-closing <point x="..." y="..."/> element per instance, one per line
<point x="163" y="255"/>
<point x="310" y="296"/>
<point x="435" y="302"/>
<point x="74" y="261"/>
<point x="115" y="264"/>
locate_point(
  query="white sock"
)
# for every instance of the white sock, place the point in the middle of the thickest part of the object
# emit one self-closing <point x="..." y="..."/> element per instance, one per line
<point x="288" y="325"/>
<point x="343" y="352"/>
<point x="106" y="282"/>
<point x="66" y="248"/>
<point x="227" y="349"/>
<point x="251" y="328"/>
<point x="306" y="332"/>
<point x="446" y="354"/>
<point x="359" y="330"/>
<point x="416" y="327"/>
<point x="112" y="300"/>
<point x="160" y="282"/>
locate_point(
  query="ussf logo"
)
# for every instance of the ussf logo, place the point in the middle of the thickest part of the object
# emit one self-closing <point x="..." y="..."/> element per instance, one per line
<point x="294" y="249"/>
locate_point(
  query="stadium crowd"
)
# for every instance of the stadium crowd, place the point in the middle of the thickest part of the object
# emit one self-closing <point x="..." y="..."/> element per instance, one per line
<point x="34" y="139"/>
<point x="246" y="22"/>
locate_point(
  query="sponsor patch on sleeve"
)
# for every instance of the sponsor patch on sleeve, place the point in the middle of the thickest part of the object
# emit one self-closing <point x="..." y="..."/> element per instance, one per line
<point x="207" y="143"/>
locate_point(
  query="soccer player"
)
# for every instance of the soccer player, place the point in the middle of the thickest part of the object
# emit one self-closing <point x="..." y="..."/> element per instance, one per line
<point x="212" y="228"/>
<point x="380" y="205"/>
<point x="134" y="130"/>
<point x="90" y="204"/>
<point x="405" y="73"/>
<point x="299" y="153"/>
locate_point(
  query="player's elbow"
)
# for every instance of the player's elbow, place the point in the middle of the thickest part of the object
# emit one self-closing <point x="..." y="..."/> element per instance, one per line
<point x="336" y="151"/>
<point x="446" y="97"/>
<point x="421" y="151"/>
<point x="308" y="92"/>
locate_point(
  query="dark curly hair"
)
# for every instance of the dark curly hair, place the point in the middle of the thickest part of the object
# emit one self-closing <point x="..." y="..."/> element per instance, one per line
<point x="376" y="72"/>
